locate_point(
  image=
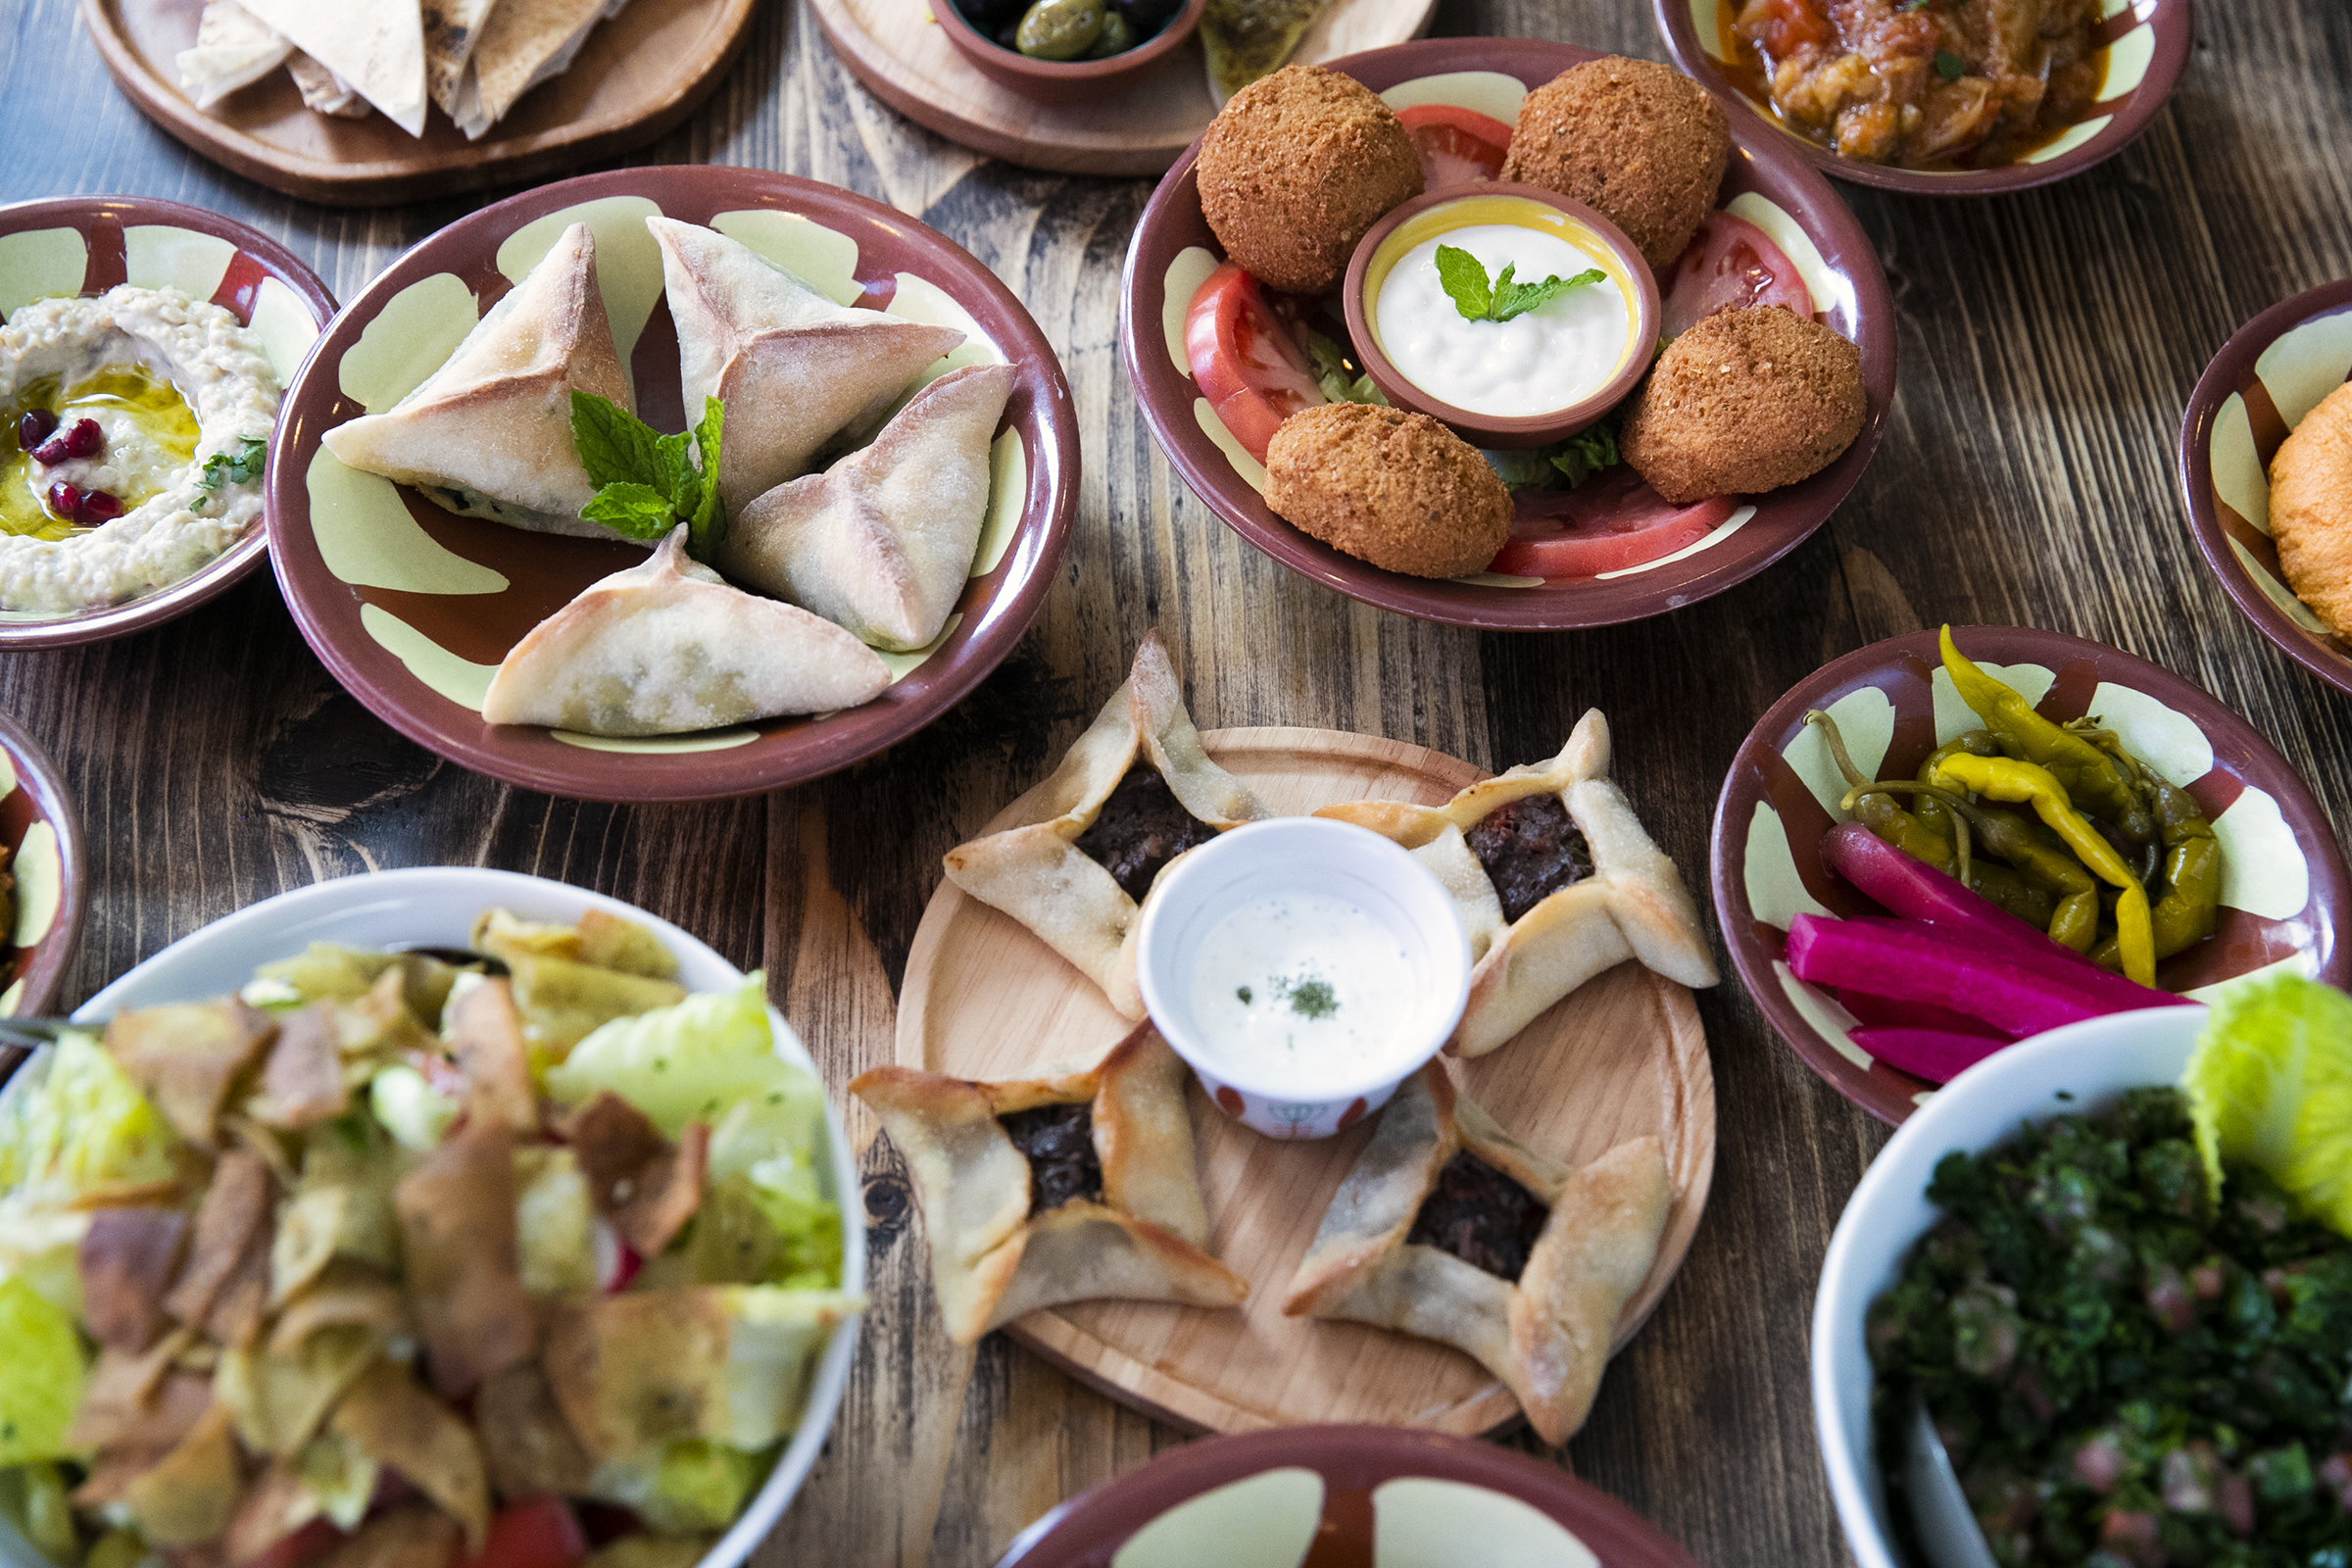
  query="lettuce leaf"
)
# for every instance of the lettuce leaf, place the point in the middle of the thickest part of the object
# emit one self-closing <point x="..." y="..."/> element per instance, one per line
<point x="2271" y="1082"/>
<point x="696" y="1061"/>
<point x="40" y="1376"/>
<point x="79" y="1124"/>
<point x="778" y="1166"/>
<point x="681" y="1487"/>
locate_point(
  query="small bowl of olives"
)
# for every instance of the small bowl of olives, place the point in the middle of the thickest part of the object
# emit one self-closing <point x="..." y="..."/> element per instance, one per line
<point x="1067" y="51"/>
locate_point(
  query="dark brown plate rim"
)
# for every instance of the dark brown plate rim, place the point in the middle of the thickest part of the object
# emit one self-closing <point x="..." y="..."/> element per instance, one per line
<point x="53" y="953"/>
<point x="1786" y="518"/>
<point x="326" y="611"/>
<point x="1087" y="1530"/>
<point x="2228" y="373"/>
<point x="1880" y="1090"/>
<point x="2174" y="25"/>
<point x="233" y="564"/>
<point x="1054" y="81"/>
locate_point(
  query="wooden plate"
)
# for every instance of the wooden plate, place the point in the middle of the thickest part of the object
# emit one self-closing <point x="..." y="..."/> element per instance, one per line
<point x="898" y="49"/>
<point x="43" y="840"/>
<point x="1767" y="182"/>
<point x="2285" y="888"/>
<point x="1623" y="1056"/>
<point x="637" y="77"/>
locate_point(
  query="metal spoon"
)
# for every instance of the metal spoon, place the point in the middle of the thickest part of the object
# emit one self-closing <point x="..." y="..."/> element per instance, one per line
<point x="1947" y="1527"/>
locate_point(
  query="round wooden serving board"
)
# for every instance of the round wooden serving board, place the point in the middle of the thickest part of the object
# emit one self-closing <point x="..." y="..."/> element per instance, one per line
<point x="897" y="49"/>
<point x="1623" y="1056"/>
<point x="636" y="78"/>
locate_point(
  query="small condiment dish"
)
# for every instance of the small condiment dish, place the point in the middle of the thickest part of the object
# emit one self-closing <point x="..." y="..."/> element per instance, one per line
<point x="1305" y="857"/>
<point x="2064" y="1072"/>
<point x="1064" y="82"/>
<point x="1435" y="213"/>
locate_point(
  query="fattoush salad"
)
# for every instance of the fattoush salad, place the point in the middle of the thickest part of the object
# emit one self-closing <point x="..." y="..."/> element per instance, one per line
<point x="396" y="1261"/>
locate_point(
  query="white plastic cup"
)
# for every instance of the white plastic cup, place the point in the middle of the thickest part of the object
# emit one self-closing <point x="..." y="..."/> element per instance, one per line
<point x="1304" y="856"/>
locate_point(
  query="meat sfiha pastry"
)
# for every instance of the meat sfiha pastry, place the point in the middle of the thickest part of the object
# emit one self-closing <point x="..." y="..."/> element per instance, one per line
<point x="2311" y="508"/>
<point x="1071" y="1187"/>
<point x="1449" y="1230"/>
<point x="1555" y="880"/>
<point x="1133" y="792"/>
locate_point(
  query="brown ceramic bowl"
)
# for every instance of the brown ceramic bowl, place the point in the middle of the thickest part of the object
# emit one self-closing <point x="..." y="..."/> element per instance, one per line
<point x="1174" y="250"/>
<point x="1423" y="1498"/>
<point x="1368" y="269"/>
<point x="2283" y="885"/>
<point x="418" y="606"/>
<point x="1064" y="82"/>
<point x="2256" y="390"/>
<point x="43" y="840"/>
<point x="2147" y="47"/>
<point x="138" y="239"/>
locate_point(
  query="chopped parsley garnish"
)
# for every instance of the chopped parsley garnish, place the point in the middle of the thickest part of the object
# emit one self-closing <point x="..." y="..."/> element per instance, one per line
<point x="1243" y="992"/>
<point x="646" y="484"/>
<point x="1948" y="64"/>
<point x="1479" y="300"/>
<point x="242" y="465"/>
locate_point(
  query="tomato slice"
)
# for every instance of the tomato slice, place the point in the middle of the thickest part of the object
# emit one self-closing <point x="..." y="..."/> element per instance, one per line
<point x="1778" y="27"/>
<point x="537" y="1532"/>
<point x="1457" y="146"/>
<point x="1731" y="265"/>
<point x="1244" y="360"/>
<point x="1609" y="523"/>
<point x="306" y="1544"/>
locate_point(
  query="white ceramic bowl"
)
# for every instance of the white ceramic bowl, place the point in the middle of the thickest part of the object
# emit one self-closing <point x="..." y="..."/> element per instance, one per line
<point x="1303" y="855"/>
<point x="2066" y="1071"/>
<point x="437" y="906"/>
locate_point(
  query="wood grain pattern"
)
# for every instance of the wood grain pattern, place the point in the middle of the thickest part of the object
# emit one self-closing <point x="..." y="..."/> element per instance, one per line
<point x="1622" y="1058"/>
<point x="636" y="76"/>
<point x="2049" y="342"/>
<point x="903" y="55"/>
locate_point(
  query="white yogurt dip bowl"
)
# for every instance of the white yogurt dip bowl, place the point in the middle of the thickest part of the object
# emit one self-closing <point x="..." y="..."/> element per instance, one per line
<point x="1303" y="969"/>
<point x="1539" y="375"/>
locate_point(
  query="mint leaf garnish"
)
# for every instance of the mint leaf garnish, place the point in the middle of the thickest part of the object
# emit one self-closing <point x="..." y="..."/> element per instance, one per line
<point x="1501" y="300"/>
<point x="242" y="465"/>
<point x="1465" y="283"/>
<point x="1948" y="64"/>
<point x="647" y="484"/>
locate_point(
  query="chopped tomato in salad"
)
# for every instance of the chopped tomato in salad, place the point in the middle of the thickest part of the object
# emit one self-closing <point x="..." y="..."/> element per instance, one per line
<point x="1457" y="146"/>
<point x="1731" y="265"/>
<point x="1610" y="522"/>
<point x="1244" y="359"/>
<point x="537" y="1532"/>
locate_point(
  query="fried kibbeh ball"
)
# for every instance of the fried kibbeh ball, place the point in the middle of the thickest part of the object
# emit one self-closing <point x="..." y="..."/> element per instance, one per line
<point x="1389" y="486"/>
<point x="1297" y="168"/>
<point x="1745" y="402"/>
<point x="2311" y="508"/>
<point x="1640" y="143"/>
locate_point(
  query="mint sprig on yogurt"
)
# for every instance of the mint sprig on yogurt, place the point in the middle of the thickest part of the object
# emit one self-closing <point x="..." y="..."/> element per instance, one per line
<point x="1481" y="299"/>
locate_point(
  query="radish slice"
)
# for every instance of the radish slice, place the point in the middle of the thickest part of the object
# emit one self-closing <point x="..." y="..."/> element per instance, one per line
<point x="1936" y="1055"/>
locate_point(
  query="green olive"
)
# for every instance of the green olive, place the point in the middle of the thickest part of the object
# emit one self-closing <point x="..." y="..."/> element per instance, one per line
<point x="1116" y="38"/>
<point x="1059" y="29"/>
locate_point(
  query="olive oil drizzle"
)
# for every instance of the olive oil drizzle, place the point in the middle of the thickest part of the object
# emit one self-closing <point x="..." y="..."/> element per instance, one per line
<point x="154" y="405"/>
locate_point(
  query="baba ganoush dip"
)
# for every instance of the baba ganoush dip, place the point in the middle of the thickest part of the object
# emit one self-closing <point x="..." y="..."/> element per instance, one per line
<point x="182" y="400"/>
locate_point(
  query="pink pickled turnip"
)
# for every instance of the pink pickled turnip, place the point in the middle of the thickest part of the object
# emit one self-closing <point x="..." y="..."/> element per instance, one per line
<point x="1914" y="961"/>
<point x="1936" y="1055"/>
<point x="1918" y="891"/>
<point x="2048" y="959"/>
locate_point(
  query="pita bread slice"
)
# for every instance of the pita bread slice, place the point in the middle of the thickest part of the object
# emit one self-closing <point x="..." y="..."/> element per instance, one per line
<point x="234" y="48"/>
<point x="792" y="366"/>
<point x="453" y="29"/>
<point x="882" y="541"/>
<point x="322" y="91"/>
<point x="376" y="45"/>
<point x="669" y="647"/>
<point x="524" y="43"/>
<point x="489" y="434"/>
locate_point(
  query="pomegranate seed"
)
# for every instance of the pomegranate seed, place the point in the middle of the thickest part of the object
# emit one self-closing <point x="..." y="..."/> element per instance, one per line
<point x="35" y="427"/>
<point x="80" y="439"/>
<point x="85" y="506"/>
<point x="65" y="501"/>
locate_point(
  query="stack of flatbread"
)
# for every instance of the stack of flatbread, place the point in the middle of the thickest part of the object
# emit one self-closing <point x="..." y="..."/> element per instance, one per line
<point x="821" y="568"/>
<point x="474" y="58"/>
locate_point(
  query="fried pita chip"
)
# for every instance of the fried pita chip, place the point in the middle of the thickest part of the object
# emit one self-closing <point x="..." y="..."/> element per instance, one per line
<point x="278" y="1398"/>
<point x="524" y="43"/>
<point x="394" y="1421"/>
<point x="128" y="1260"/>
<point x="189" y="1498"/>
<point x="347" y="1295"/>
<point x="225" y="1283"/>
<point x="529" y="1446"/>
<point x="139" y="1401"/>
<point x="302" y="1077"/>
<point x="640" y="1369"/>
<point x="644" y="1185"/>
<point x="464" y="1262"/>
<point x="485" y="1032"/>
<point x="186" y="1056"/>
<point x="414" y="1537"/>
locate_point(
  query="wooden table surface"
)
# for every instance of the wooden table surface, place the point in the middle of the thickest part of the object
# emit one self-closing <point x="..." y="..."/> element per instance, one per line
<point x="2048" y="342"/>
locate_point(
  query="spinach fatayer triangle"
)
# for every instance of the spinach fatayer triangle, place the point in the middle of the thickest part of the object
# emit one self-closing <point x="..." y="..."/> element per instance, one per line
<point x="489" y="434"/>
<point x="792" y="366"/>
<point x="882" y="541"/>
